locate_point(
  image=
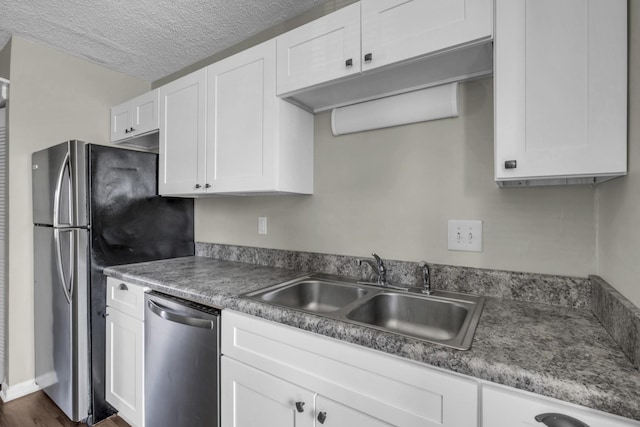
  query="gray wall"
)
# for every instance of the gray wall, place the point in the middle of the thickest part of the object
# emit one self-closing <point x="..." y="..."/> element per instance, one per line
<point x="5" y="59"/>
<point x="392" y="191"/>
<point x="618" y="201"/>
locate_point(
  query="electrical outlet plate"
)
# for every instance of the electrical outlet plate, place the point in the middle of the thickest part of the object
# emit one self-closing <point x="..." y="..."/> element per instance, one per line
<point x="262" y="225"/>
<point x="465" y="235"/>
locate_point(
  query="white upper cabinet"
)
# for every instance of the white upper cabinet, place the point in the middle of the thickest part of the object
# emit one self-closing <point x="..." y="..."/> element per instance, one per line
<point x="120" y="121"/>
<point x="397" y="30"/>
<point x="225" y="131"/>
<point x="377" y="48"/>
<point x="182" y="135"/>
<point x="255" y="141"/>
<point x="322" y="50"/>
<point x="560" y="91"/>
<point x="135" y="117"/>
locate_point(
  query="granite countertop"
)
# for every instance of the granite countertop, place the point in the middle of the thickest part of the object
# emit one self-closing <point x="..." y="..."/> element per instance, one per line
<point x="553" y="351"/>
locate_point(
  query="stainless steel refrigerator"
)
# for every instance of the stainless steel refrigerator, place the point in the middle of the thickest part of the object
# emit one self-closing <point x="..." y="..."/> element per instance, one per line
<point x="93" y="206"/>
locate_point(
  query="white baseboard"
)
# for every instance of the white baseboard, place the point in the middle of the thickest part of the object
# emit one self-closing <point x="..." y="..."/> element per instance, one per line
<point x="17" y="390"/>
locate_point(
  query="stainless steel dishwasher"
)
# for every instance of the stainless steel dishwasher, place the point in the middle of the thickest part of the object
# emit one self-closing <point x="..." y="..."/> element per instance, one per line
<point x="182" y="363"/>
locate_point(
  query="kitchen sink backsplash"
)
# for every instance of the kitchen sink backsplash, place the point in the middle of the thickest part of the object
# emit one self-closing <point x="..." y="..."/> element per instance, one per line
<point x="617" y="314"/>
<point x="540" y="288"/>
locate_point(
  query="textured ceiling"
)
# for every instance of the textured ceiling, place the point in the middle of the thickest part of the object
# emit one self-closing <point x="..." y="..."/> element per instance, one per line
<point x="148" y="39"/>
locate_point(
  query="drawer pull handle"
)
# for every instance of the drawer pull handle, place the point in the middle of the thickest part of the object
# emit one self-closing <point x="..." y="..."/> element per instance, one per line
<point x="511" y="164"/>
<point x="123" y="287"/>
<point x="368" y="57"/>
<point x="300" y="406"/>
<point x="559" y="420"/>
<point x="348" y="63"/>
<point x="322" y="417"/>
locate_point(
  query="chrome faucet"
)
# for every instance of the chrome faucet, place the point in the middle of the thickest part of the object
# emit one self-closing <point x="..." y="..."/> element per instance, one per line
<point x="377" y="265"/>
<point x="426" y="278"/>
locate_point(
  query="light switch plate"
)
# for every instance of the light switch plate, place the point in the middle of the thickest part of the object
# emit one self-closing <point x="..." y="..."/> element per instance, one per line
<point x="262" y="225"/>
<point x="465" y="235"/>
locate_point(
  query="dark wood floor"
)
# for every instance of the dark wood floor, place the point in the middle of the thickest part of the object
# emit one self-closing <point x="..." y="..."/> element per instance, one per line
<point x="37" y="410"/>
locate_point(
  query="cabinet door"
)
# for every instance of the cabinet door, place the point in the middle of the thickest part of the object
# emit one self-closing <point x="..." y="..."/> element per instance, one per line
<point x="120" y="121"/>
<point x="126" y="298"/>
<point x="250" y="398"/>
<point x="322" y="50"/>
<point x="330" y="413"/>
<point x="242" y="121"/>
<point x="124" y="366"/>
<point x="560" y="88"/>
<point x="396" y="30"/>
<point x="182" y="135"/>
<point x="144" y="110"/>
<point x="506" y="408"/>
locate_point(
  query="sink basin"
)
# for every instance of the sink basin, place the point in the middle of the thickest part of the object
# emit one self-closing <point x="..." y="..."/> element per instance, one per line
<point x="445" y="318"/>
<point x="316" y="296"/>
<point x="431" y="319"/>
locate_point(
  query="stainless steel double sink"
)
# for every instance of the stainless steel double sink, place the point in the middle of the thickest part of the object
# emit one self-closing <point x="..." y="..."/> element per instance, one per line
<point x="445" y="318"/>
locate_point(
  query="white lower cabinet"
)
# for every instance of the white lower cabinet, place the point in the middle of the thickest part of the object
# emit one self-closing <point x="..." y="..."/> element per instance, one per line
<point x="125" y="352"/>
<point x="333" y="414"/>
<point x="504" y="407"/>
<point x="267" y="369"/>
<point x="254" y="398"/>
<point x="251" y="397"/>
<point x="280" y="376"/>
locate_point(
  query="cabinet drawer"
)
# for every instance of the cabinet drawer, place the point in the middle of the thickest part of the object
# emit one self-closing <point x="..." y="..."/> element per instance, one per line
<point x="125" y="297"/>
<point x="384" y="387"/>
<point x="502" y="407"/>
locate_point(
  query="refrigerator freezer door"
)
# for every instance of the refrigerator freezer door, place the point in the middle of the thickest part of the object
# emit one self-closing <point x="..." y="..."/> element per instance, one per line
<point x="59" y="185"/>
<point x="61" y="360"/>
<point x="51" y="182"/>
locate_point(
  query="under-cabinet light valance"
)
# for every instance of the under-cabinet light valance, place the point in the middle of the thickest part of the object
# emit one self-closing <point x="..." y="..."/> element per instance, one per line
<point x="434" y="103"/>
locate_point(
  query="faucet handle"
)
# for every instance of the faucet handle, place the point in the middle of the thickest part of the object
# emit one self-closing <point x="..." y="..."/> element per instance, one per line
<point x="426" y="278"/>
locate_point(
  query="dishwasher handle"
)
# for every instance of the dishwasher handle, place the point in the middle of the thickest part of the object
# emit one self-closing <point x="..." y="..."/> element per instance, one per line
<point x="172" y="316"/>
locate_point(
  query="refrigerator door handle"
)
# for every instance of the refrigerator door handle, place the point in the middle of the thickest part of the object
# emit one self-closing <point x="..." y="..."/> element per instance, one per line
<point x="66" y="288"/>
<point x="66" y="166"/>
